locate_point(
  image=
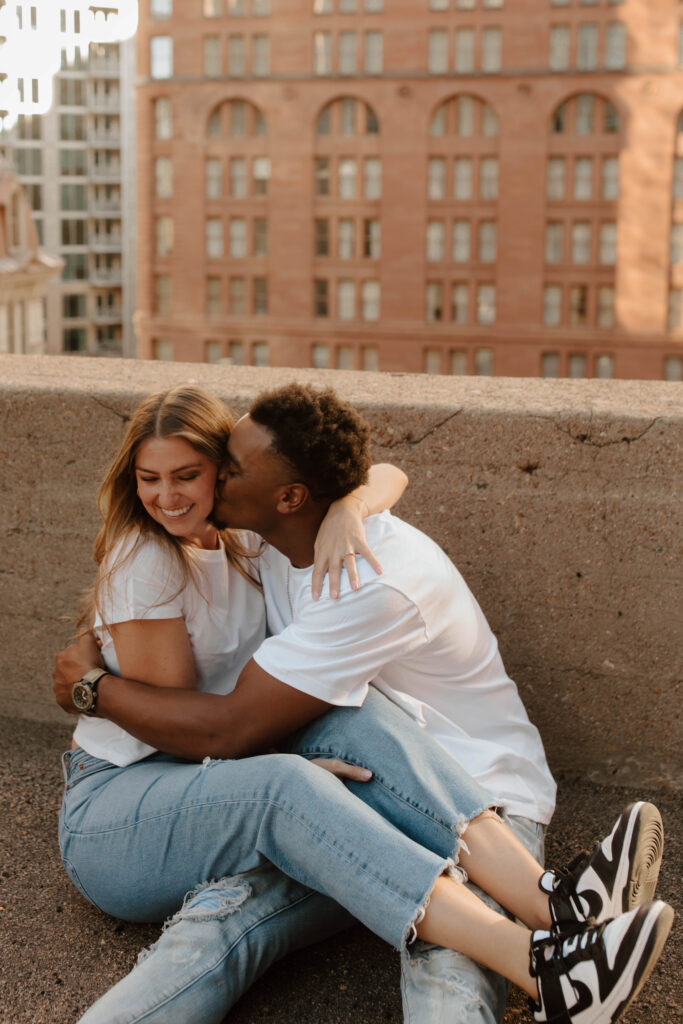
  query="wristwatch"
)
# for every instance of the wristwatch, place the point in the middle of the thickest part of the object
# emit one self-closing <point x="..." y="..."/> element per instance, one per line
<point x="84" y="692"/>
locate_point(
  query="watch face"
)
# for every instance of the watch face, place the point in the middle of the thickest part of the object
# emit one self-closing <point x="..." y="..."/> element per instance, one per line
<point x="82" y="697"/>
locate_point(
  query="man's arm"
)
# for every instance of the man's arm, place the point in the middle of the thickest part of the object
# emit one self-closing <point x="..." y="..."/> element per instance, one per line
<point x="260" y="711"/>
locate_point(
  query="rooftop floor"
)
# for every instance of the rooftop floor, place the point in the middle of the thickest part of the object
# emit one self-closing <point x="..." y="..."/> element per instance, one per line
<point x="60" y="953"/>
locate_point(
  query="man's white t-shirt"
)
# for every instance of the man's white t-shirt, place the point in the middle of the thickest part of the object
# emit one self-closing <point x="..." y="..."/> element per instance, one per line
<point x="419" y="635"/>
<point x="223" y="613"/>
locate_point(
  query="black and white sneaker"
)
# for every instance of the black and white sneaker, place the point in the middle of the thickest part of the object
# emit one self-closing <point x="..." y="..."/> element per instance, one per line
<point x="617" y="875"/>
<point x="593" y="975"/>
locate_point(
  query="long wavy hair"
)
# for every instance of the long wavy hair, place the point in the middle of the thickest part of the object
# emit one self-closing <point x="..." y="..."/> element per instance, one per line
<point x="188" y="412"/>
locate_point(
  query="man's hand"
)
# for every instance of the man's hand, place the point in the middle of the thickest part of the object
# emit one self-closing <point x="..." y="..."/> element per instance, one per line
<point x="71" y="665"/>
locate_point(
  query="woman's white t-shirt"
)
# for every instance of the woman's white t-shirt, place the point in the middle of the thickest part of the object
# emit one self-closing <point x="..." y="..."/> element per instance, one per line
<point x="224" y="615"/>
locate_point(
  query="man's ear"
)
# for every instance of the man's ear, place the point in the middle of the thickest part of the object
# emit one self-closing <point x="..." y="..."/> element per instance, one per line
<point x="292" y="498"/>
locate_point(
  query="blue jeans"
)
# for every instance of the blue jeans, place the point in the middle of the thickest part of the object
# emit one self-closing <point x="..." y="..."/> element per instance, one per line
<point x="228" y="933"/>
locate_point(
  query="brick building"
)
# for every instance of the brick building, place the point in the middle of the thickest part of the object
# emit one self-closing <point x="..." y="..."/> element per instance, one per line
<point x="450" y="186"/>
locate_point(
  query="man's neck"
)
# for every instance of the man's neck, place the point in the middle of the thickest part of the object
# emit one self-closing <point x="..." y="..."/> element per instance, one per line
<point x="294" y="536"/>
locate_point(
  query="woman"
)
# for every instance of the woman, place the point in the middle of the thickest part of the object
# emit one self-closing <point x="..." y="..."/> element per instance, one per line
<point x="400" y="883"/>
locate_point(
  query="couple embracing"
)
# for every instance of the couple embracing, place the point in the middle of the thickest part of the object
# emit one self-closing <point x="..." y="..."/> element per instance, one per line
<point x="409" y="790"/>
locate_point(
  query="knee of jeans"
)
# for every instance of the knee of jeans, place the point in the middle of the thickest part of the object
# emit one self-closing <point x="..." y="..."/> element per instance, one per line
<point x="213" y="900"/>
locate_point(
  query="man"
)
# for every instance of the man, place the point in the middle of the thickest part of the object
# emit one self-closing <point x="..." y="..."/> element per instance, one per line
<point x="416" y="632"/>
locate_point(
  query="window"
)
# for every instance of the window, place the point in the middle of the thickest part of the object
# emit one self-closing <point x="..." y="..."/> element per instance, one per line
<point x="581" y="242"/>
<point x="29" y="126"/>
<point x="238" y="119"/>
<point x="260" y="56"/>
<point x="371" y="239"/>
<point x="550" y="364"/>
<point x="434" y="301"/>
<point x="322" y="53"/>
<point x="321" y="300"/>
<point x="212" y="56"/>
<point x="214" y="238"/>
<point x="346" y="300"/>
<point x="72" y="197"/>
<point x="260" y="302"/>
<point x="162" y="294"/>
<point x="236" y="8"/>
<point x="236" y="64"/>
<point x="74" y="232"/>
<point x="604" y="367"/>
<point x="460" y="312"/>
<point x="583" y="178"/>
<point x="72" y="162"/>
<point x="213" y="351"/>
<point x="73" y="307"/>
<point x="322" y="176"/>
<point x="492" y="42"/>
<point x="238" y="238"/>
<point x="486" y="304"/>
<point x="464" y="50"/>
<point x="676" y="244"/>
<point x="34" y="194"/>
<point x="587" y="47"/>
<point x="673" y="368"/>
<point x="615" y="46"/>
<point x="346" y="240"/>
<point x="75" y="267"/>
<point x="462" y="178"/>
<point x="164" y="236"/>
<point x="345" y="358"/>
<point x="214" y="178"/>
<point x="678" y="178"/>
<point x="30" y="161"/>
<point x="347" y="178"/>
<point x="370" y="358"/>
<point x="211" y="8"/>
<point x="436" y="178"/>
<point x="673" y="320"/>
<point x="488" y="178"/>
<point x="347" y="53"/>
<point x="554" y="242"/>
<point x="487" y="241"/>
<point x="261" y="175"/>
<point x="585" y="107"/>
<point x="432" y="360"/>
<point x="161" y="57"/>
<point x="373" y="53"/>
<point x="320" y="357"/>
<point x="238" y="292"/>
<point x="438" y="51"/>
<point x="458" y="362"/>
<point x="608" y="243"/>
<point x="321" y="236"/>
<point x="71" y="127"/>
<point x="559" y="48"/>
<point x="578" y="305"/>
<point x="162" y="349"/>
<point x="435" y="240"/>
<point x="74" y="339"/>
<point x="605" y="315"/>
<point x="348" y="6"/>
<point x="163" y="127"/>
<point x="163" y="177"/>
<point x="236" y="353"/>
<point x="461" y="241"/>
<point x="577" y="366"/>
<point x="238" y="177"/>
<point x="483" y="362"/>
<point x="552" y="305"/>
<point x="610" y="177"/>
<point x="214" y="297"/>
<point x="372" y="177"/>
<point x="465" y="116"/>
<point x="370" y="300"/>
<point x="347" y="119"/>
<point x="161" y="9"/>
<point x="260" y="239"/>
<point x="260" y="8"/>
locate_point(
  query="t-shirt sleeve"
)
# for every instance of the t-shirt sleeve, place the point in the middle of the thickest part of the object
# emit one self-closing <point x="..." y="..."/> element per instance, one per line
<point x="146" y="583"/>
<point x="334" y="649"/>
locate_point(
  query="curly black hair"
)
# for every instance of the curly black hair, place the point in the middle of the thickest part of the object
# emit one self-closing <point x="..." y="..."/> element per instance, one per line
<point x="323" y="439"/>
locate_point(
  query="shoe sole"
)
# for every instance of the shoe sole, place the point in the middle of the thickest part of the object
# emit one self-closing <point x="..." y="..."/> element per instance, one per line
<point x="653" y="946"/>
<point x="645" y="854"/>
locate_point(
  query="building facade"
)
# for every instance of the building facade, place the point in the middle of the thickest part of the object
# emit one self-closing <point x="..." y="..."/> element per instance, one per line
<point x="76" y="160"/>
<point x="25" y="271"/>
<point x="449" y="186"/>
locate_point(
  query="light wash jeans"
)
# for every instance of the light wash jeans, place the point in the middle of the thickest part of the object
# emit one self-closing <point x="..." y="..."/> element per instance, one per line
<point x="135" y="840"/>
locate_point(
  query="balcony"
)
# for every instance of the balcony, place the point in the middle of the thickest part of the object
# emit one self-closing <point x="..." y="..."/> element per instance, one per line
<point x="105" y="278"/>
<point x="104" y="68"/>
<point x="107" y="315"/>
<point x="105" y="243"/>
<point x="105" y="172"/>
<point x="559" y="500"/>
<point x="104" y="140"/>
<point x="103" y="103"/>
<point x="103" y="207"/>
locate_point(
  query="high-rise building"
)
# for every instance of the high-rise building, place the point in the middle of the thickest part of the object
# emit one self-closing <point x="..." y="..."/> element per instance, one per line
<point x="449" y="186"/>
<point x="25" y="271"/>
<point x="72" y="142"/>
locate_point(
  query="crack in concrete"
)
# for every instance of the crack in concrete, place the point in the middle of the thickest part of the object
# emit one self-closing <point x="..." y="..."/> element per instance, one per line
<point x="409" y="440"/>
<point x="584" y="437"/>
<point x="124" y="417"/>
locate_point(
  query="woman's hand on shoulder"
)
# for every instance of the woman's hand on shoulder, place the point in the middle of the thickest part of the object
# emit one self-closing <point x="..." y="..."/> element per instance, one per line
<point x="340" y="538"/>
<point x="155" y="651"/>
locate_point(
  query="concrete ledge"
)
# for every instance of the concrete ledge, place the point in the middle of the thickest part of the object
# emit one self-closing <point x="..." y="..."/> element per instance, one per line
<point x="559" y="501"/>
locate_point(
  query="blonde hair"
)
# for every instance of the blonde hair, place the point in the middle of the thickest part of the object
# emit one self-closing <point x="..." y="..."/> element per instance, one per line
<point x="194" y="415"/>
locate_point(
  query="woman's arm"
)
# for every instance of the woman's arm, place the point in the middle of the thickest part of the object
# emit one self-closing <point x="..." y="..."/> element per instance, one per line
<point x="155" y="651"/>
<point x="342" y="535"/>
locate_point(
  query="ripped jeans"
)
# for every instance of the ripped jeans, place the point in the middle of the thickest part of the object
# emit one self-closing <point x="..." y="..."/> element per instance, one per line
<point x="135" y="840"/>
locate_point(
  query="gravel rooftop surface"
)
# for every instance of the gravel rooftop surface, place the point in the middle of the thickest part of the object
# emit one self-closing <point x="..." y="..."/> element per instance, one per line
<point x="58" y="954"/>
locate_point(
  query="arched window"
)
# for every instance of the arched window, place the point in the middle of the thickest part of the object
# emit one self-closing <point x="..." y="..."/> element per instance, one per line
<point x="582" y="193"/>
<point x="346" y="236"/>
<point x="675" y="308"/>
<point x="461" y="242"/>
